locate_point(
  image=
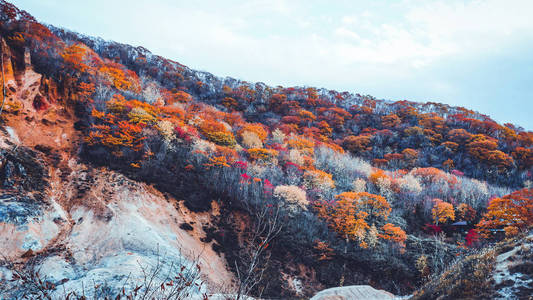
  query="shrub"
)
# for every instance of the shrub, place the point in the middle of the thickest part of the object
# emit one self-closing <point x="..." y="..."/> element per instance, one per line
<point x="166" y="128"/>
<point x="278" y="136"/>
<point x="393" y="233"/>
<point x="359" y="185"/>
<point x="256" y="128"/>
<point x="296" y="157"/>
<point x="317" y="179"/>
<point x="251" y="140"/>
<point x="293" y="195"/>
<point x="266" y="155"/>
<point x="217" y="133"/>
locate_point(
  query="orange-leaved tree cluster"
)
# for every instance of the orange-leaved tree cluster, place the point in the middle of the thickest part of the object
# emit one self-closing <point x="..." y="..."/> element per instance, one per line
<point x="511" y="213"/>
<point x="352" y="214"/>
<point x="442" y="212"/>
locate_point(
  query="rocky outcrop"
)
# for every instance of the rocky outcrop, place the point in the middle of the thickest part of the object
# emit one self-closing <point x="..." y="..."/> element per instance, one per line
<point x="513" y="270"/>
<point x="354" y="292"/>
<point x="77" y="226"/>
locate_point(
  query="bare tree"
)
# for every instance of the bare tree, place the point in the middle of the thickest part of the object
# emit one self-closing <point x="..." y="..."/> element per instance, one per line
<point x="3" y="78"/>
<point x="267" y="224"/>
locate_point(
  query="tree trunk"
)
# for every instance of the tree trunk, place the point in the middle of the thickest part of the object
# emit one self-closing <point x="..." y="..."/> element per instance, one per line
<point x="3" y="79"/>
<point x="341" y="283"/>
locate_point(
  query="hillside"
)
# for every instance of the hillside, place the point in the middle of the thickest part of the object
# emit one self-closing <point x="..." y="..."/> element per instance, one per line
<point x="125" y="172"/>
<point x="502" y="271"/>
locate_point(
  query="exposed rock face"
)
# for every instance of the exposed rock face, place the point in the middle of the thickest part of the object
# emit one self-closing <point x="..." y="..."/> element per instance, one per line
<point x="513" y="270"/>
<point x="354" y="292"/>
<point x="77" y="226"/>
<point x="8" y="66"/>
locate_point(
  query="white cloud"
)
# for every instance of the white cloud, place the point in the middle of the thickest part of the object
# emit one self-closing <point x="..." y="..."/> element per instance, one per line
<point x="384" y="49"/>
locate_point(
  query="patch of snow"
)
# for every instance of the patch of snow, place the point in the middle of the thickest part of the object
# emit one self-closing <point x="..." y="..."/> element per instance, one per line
<point x="13" y="135"/>
<point x="354" y="292"/>
<point x="56" y="268"/>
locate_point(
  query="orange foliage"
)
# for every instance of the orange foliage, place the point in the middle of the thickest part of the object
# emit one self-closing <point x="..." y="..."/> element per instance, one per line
<point x="257" y="128"/>
<point x="465" y="212"/>
<point x="459" y="136"/>
<point x="431" y="121"/>
<point x="262" y="154"/>
<point x="430" y="175"/>
<point x="86" y="90"/>
<point x="390" y="121"/>
<point x="524" y="157"/>
<point x="413" y="131"/>
<point x="122" y="80"/>
<point x="513" y="212"/>
<point x="410" y="156"/>
<point x="277" y="100"/>
<point x="74" y="55"/>
<point x="122" y="134"/>
<point x="177" y="97"/>
<point x="344" y="218"/>
<point x="348" y="216"/>
<point x="217" y="161"/>
<point x="325" y="129"/>
<point x="324" y="251"/>
<point x="375" y="206"/>
<point x="217" y="133"/>
<point x="306" y="115"/>
<point x="442" y="211"/>
<point x="304" y="145"/>
<point x="230" y="103"/>
<point x="393" y="233"/>
<point x="377" y="175"/>
<point x="450" y="145"/>
<point x="357" y="144"/>
<point x="448" y="164"/>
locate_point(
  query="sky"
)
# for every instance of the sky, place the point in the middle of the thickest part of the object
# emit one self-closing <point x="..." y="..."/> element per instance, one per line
<point x="475" y="54"/>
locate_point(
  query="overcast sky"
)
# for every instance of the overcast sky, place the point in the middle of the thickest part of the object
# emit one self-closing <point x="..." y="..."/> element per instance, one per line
<point x="476" y="54"/>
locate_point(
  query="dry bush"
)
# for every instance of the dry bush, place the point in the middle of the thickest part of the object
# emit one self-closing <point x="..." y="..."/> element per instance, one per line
<point x="166" y="128"/>
<point x="293" y="195"/>
<point x="317" y="179"/>
<point x="278" y="136"/>
<point x="251" y="140"/>
<point x="203" y="146"/>
<point x="296" y="157"/>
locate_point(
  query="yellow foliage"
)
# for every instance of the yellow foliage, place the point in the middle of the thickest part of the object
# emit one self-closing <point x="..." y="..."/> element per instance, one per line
<point x="442" y="211"/>
<point x="262" y="154"/>
<point x="318" y="179"/>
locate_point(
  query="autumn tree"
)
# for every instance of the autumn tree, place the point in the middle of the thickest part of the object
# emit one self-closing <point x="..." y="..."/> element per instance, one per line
<point x="394" y="233"/>
<point x="465" y="212"/>
<point x="512" y="213"/>
<point x="357" y="144"/>
<point x="217" y="133"/>
<point x="75" y="55"/>
<point x="442" y="211"/>
<point x="390" y="121"/>
<point x="351" y="214"/>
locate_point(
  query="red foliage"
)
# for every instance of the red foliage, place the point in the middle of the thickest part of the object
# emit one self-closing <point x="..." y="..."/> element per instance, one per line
<point x="432" y="229"/>
<point x="472" y="237"/>
<point x="243" y="165"/>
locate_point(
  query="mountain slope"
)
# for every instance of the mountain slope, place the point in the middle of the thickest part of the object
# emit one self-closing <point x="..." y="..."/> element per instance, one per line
<point x="110" y="153"/>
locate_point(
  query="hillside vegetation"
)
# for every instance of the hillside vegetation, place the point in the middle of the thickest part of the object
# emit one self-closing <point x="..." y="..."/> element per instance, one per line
<point x="312" y="188"/>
